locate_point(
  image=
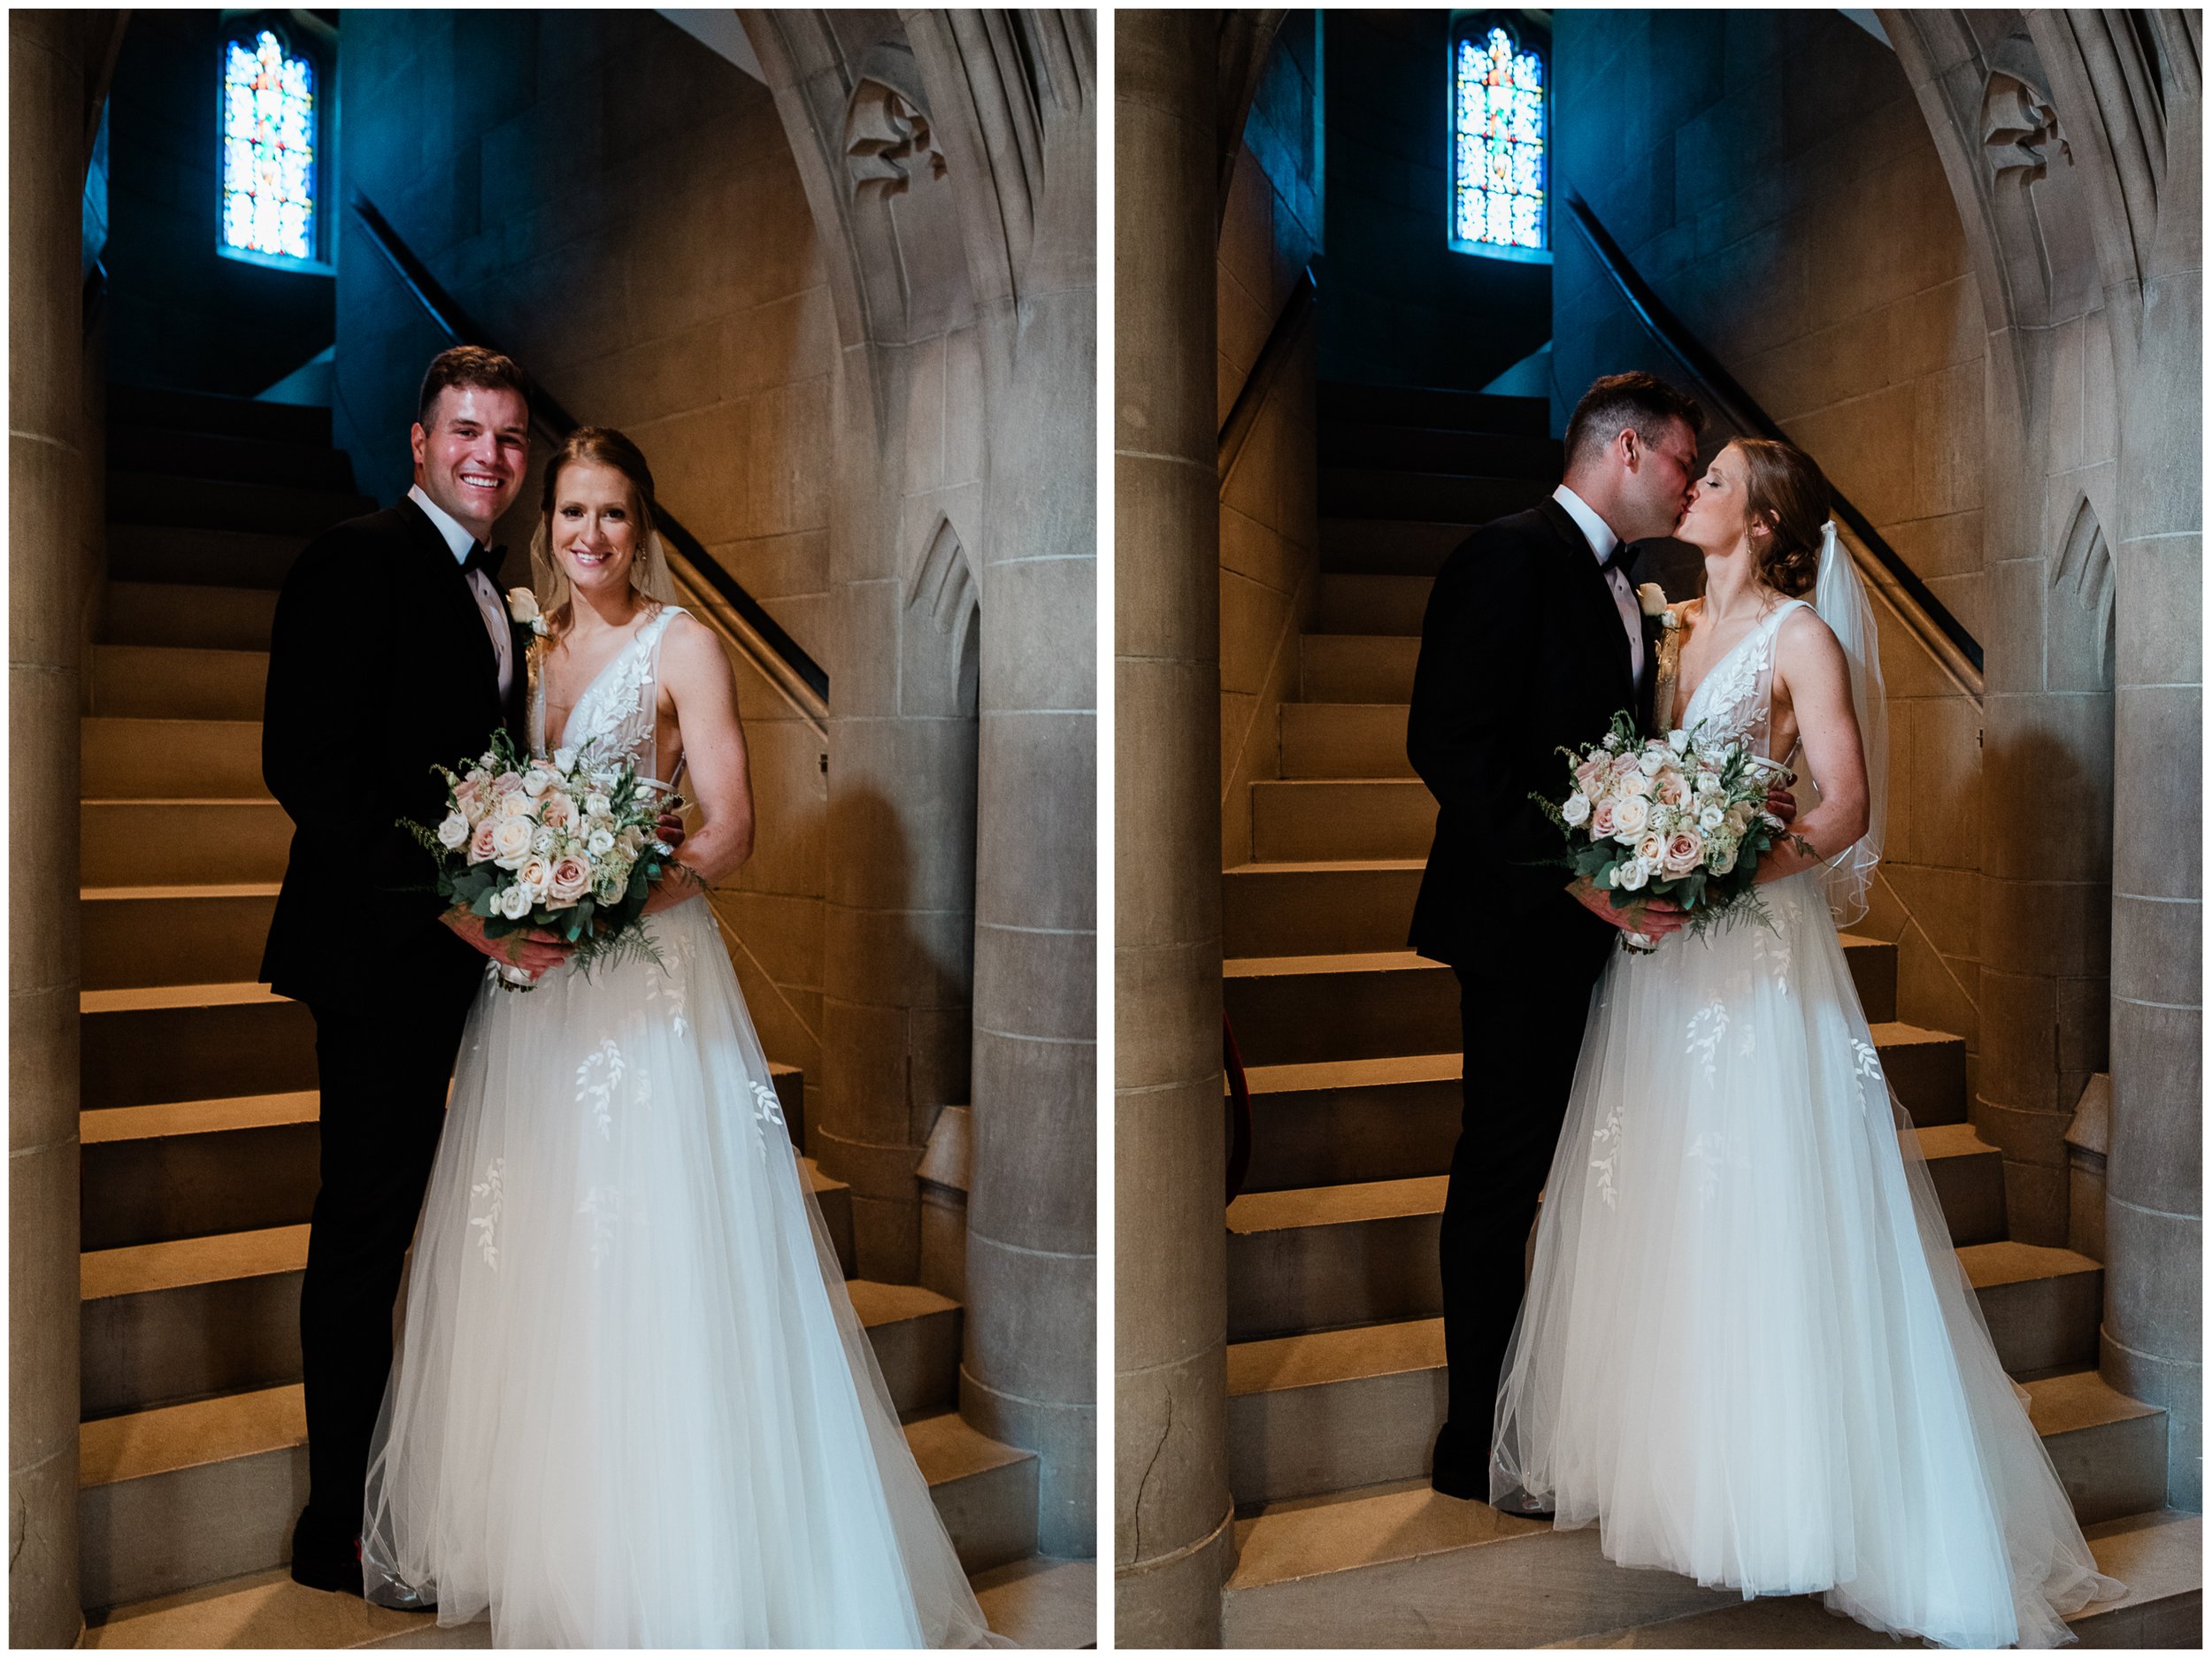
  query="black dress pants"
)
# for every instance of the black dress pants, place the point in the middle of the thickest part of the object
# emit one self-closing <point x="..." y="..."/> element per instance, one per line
<point x="385" y="1065"/>
<point x="1521" y="1040"/>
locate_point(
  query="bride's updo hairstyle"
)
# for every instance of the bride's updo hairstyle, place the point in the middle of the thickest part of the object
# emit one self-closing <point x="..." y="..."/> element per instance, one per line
<point x="600" y="446"/>
<point x="1786" y="492"/>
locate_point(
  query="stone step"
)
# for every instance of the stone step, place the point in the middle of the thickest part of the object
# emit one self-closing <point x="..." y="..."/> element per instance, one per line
<point x="1401" y="1566"/>
<point x="160" y="1043"/>
<point x="1318" y="908"/>
<point x="1873" y="964"/>
<point x="175" y="613"/>
<point x="193" y="1168"/>
<point x="216" y="505"/>
<point x="198" y="556"/>
<point x="1389" y="547"/>
<point x="168" y="1322"/>
<point x="1332" y="1256"/>
<point x="195" y="1493"/>
<point x="1350" y="401"/>
<point x="1038" y="1603"/>
<point x="1387" y="492"/>
<point x="1306" y="819"/>
<point x="137" y="758"/>
<point x="177" y="682"/>
<point x="183" y="843"/>
<point x="190" y="411"/>
<point x="1369" y="603"/>
<point x="171" y="452"/>
<point x="1426" y="449"/>
<point x="140" y="936"/>
<point x="1968" y="1176"/>
<point x="1300" y="1009"/>
<point x="1343" y="739"/>
<point x="2158" y="1555"/>
<point x="1337" y="1410"/>
<point x="1353" y="1120"/>
<point x="1357" y="667"/>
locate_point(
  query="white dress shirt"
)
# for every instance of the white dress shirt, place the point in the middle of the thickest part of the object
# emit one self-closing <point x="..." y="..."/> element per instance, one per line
<point x="497" y="622"/>
<point x="1602" y="541"/>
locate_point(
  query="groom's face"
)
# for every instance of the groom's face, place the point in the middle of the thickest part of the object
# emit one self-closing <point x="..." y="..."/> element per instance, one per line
<point x="471" y="457"/>
<point x="1662" y="481"/>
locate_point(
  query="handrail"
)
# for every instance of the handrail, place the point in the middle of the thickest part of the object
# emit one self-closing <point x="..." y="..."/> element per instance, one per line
<point x="1943" y="632"/>
<point x="1245" y="413"/>
<point x="801" y="679"/>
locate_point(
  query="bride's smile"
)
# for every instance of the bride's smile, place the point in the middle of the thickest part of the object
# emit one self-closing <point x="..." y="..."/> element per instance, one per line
<point x="595" y="530"/>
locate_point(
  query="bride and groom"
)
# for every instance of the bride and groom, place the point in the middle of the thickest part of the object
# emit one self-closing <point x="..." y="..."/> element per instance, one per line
<point x="631" y="1405"/>
<point x="1746" y="1347"/>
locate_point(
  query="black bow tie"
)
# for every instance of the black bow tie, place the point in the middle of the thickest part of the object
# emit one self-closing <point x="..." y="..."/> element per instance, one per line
<point x="487" y="559"/>
<point x="1619" y="559"/>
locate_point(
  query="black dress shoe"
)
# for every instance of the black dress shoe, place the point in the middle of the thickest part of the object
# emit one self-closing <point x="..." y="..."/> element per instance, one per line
<point x="1455" y="1474"/>
<point x="320" y="1564"/>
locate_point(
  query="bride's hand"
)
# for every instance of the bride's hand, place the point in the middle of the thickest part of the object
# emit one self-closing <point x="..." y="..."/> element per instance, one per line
<point x="1653" y="918"/>
<point x="535" y="952"/>
<point x="677" y="882"/>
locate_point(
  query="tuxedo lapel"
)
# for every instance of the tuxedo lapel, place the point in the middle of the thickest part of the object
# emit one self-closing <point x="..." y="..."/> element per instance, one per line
<point x="1595" y="595"/>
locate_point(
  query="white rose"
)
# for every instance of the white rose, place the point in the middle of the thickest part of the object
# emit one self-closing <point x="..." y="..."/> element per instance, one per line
<point x="1637" y="784"/>
<point x="514" y="805"/>
<point x="1651" y="849"/>
<point x="1652" y="758"/>
<point x="535" y="872"/>
<point x="454" y="832"/>
<point x="1678" y="740"/>
<point x="1631" y="875"/>
<point x="601" y="842"/>
<point x="1651" y="599"/>
<point x="510" y="841"/>
<point x="597" y="805"/>
<point x="514" y="903"/>
<point x="1631" y="816"/>
<point x="522" y="604"/>
<point x="1709" y="818"/>
<point x="564" y="761"/>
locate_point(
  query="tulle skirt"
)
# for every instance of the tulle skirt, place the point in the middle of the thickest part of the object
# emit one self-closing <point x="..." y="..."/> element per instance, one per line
<point x="632" y="1406"/>
<point x="1749" y="1350"/>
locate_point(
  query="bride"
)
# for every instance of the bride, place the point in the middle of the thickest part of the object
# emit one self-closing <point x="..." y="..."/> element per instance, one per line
<point x="632" y="1406"/>
<point x="1747" y="1349"/>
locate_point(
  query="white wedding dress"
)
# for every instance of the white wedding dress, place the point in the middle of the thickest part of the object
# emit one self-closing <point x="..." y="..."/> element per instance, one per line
<point x="632" y="1406"/>
<point x="1749" y="1350"/>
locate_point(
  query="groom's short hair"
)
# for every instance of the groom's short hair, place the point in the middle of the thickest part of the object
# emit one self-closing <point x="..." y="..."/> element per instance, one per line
<point x="469" y="365"/>
<point x="1618" y="402"/>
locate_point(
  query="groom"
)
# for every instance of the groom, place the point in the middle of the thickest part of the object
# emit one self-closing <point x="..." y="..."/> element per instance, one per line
<point x="1532" y="640"/>
<point x="392" y="651"/>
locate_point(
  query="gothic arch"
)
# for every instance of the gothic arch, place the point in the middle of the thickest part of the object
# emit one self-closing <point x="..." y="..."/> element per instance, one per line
<point x="2081" y="576"/>
<point x="944" y="589"/>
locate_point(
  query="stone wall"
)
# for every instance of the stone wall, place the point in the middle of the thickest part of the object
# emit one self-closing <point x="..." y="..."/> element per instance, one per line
<point x="1403" y="308"/>
<point x="179" y="313"/>
<point x="1769" y="173"/>
<point x="1270" y="537"/>
<point x="618" y="207"/>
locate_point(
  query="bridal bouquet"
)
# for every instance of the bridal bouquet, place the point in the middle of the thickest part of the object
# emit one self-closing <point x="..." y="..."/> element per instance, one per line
<point x="561" y="844"/>
<point x="1673" y="817"/>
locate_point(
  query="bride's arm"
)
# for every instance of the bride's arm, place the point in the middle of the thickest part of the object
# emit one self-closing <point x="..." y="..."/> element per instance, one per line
<point x="1809" y="668"/>
<point x="697" y="676"/>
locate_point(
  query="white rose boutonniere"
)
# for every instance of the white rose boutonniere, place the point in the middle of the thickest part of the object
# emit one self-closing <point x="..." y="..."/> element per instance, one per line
<point x="1651" y="599"/>
<point x="522" y="604"/>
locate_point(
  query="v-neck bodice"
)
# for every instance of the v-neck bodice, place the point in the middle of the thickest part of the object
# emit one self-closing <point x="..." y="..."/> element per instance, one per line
<point x="618" y="713"/>
<point x="1734" y="700"/>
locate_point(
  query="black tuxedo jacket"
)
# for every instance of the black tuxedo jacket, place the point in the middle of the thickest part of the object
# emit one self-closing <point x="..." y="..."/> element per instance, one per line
<point x="380" y="667"/>
<point x="1521" y="654"/>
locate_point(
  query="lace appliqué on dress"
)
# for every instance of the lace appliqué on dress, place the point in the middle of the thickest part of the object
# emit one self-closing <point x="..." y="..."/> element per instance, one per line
<point x="767" y="1108"/>
<point x="492" y="1189"/>
<point x="1707" y="1026"/>
<point x="1607" y="1140"/>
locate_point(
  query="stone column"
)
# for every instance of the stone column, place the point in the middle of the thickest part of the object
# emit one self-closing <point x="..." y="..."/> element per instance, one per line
<point x="2154" y="1204"/>
<point x="47" y="97"/>
<point x="1172" y="1508"/>
<point x="1030" y="1375"/>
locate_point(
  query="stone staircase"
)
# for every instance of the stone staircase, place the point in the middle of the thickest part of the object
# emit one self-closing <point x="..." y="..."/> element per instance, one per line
<point x="199" y="1102"/>
<point x="1335" y="1363"/>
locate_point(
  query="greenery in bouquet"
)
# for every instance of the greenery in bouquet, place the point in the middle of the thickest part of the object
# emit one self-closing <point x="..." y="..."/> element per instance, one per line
<point x="1679" y="817"/>
<point x="560" y="845"/>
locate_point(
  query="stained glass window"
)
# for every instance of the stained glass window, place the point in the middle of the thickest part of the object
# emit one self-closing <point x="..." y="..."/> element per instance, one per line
<point x="1499" y="138"/>
<point x="268" y="207"/>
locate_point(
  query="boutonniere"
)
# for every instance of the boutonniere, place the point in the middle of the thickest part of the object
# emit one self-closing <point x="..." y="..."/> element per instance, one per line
<point x="522" y="604"/>
<point x="1651" y="599"/>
